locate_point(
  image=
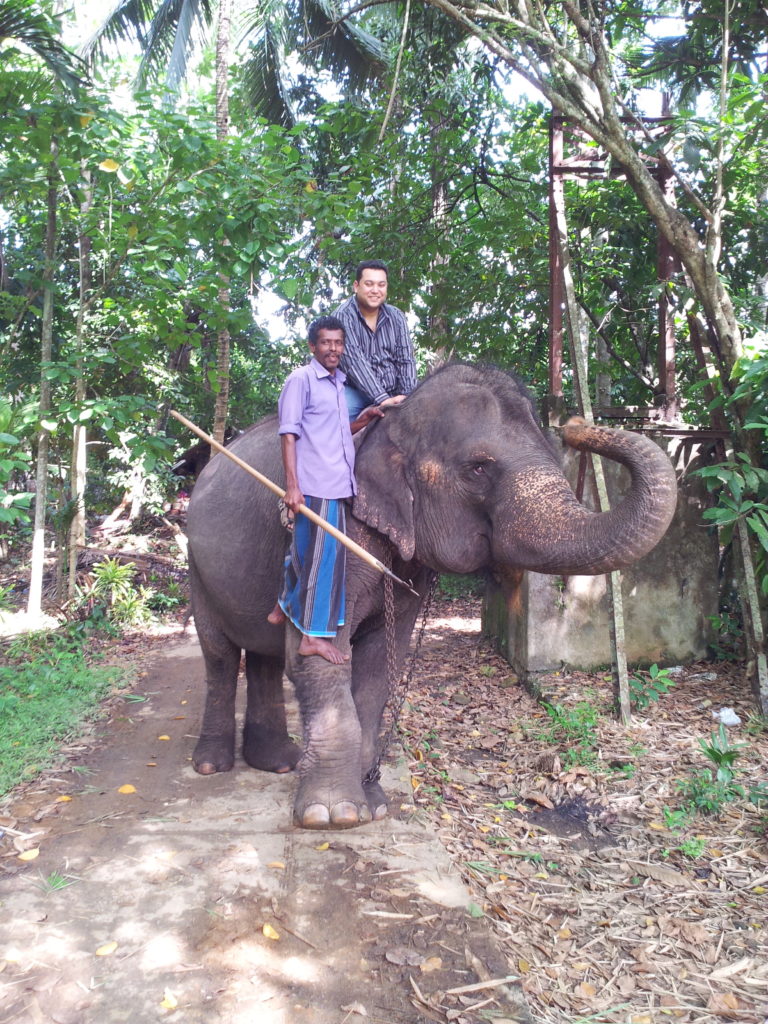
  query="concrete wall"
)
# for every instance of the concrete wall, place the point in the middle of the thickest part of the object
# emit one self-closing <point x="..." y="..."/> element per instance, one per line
<point x="549" y="621"/>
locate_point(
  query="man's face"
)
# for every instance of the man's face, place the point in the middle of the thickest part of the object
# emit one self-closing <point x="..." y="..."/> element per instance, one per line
<point x="371" y="289"/>
<point x="329" y="348"/>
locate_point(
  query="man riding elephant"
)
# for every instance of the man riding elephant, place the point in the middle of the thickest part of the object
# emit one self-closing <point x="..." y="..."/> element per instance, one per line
<point x="319" y="461"/>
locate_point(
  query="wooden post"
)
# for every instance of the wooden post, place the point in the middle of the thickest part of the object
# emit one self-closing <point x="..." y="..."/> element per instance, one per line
<point x="580" y="373"/>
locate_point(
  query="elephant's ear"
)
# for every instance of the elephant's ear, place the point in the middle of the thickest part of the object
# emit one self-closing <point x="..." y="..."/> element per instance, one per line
<point x="384" y="501"/>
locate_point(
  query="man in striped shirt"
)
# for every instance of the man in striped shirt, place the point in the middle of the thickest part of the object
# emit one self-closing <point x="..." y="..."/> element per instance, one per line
<point x="378" y="356"/>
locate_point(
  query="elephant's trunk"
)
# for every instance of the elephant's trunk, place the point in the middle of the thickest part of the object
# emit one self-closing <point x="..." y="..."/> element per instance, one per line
<point x="553" y="533"/>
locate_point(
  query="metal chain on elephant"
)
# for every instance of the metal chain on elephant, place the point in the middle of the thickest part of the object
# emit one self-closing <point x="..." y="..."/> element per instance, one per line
<point x="397" y="687"/>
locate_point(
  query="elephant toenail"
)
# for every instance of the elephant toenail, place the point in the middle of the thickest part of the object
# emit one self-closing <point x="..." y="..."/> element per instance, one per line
<point x="314" y="816"/>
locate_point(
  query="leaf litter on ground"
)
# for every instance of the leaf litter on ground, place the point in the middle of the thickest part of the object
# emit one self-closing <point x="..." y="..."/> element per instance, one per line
<point x="571" y="845"/>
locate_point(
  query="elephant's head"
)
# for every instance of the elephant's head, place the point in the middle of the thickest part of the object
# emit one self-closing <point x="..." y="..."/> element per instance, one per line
<point x="462" y="477"/>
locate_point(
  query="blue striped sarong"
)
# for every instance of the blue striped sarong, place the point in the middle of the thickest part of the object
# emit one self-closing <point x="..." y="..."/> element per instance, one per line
<point x="313" y="587"/>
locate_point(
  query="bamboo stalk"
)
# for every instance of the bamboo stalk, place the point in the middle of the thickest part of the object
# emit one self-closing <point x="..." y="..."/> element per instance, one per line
<point x="580" y="372"/>
<point x="342" y="538"/>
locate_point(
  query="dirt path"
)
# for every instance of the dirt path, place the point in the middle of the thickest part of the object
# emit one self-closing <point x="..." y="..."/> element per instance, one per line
<point x="194" y="899"/>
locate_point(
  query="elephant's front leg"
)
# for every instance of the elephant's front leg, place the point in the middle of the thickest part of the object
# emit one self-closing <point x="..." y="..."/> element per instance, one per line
<point x="330" y="793"/>
<point x="371" y="685"/>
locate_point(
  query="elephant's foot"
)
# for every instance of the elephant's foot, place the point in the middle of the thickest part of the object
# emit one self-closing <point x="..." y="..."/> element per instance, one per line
<point x="269" y="750"/>
<point x="330" y="810"/>
<point x="214" y="754"/>
<point x="377" y="802"/>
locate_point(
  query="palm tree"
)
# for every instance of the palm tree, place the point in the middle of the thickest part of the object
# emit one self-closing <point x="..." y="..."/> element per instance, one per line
<point x="269" y="31"/>
<point x="23" y="21"/>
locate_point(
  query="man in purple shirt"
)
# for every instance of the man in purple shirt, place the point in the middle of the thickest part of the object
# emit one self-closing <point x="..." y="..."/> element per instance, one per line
<point x="319" y="460"/>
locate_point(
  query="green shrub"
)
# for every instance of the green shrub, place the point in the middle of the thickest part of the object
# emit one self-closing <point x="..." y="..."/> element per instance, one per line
<point x="645" y="688"/>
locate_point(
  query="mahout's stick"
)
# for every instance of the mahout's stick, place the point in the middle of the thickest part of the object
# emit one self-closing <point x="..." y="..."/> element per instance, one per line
<point x="313" y="516"/>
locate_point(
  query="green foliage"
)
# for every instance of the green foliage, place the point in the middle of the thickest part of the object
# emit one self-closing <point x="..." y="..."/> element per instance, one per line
<point x="676" y="818"/>
<point x="576" y="727"/>
<point x="55" y="882"/>
<point x="707" y="791"/>
<point x="703" y="794"/>
<point x="453" y="587"/>
<point x="14" y="465"/>
<point x="740" y="487"/>
<point x="693" y="847"/>
<point x="30" y="24"/>
<point x="728" y="642"/>
<point x="756" y="724"/>
<point x="167" y="600"/>
<point x="722" y="753"/>
<point x="47" y="689"/>
<point x="112" y="579"/>
<point x="111" y="596"/>
<point x="645" y="688"/>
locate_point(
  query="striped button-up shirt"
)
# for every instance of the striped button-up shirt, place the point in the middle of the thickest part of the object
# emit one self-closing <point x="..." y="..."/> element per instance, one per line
<point x="379" y="363"/>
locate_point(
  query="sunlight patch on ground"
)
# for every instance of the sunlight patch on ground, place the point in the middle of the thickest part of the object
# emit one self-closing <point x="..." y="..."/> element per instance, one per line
<point x="16" y="623"/>
<point x="457" y="622"/>
<point x="163" y="952"/>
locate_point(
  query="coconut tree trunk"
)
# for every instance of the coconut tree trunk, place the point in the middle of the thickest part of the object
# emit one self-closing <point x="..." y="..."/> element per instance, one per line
<point x="78" y="465"/>
<point x="221" y="408"/>
<point x="34" y="600"/>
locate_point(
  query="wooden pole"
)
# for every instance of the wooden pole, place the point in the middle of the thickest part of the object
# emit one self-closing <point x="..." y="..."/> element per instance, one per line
<point x="579" y="359"/>
<point x="342" y="538"/>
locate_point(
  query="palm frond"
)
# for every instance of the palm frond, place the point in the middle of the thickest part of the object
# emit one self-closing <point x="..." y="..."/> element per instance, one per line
<point x="341" y="45"/>
<point x="175" y="28"/>
<point x="263" y="80"/>
<point x="322" y="39"/>
<point x="22" y="21"/>
<point x="128" y="19"/>
<point x="166" y="30"/>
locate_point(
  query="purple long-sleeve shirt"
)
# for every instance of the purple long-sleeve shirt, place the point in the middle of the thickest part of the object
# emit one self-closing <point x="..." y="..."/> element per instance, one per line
<point x="312" y="406"/>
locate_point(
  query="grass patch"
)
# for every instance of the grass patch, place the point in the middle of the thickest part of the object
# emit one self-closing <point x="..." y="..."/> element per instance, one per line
<point x="48" y="688"/>
<point x="575" y="728"/>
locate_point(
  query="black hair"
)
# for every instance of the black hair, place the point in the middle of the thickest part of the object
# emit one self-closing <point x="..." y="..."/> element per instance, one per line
<point x="328" y="323"/>
<point x="370" y="265"/>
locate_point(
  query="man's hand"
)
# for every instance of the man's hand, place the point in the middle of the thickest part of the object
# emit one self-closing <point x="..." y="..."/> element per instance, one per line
<point x="372" y="412"/>
<point x="293" y="498"/>
<point x="393" y="400"/>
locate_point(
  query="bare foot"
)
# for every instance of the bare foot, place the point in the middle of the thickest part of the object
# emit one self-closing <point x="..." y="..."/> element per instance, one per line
<point x="277" y="616"/>
<point x="319" y="645"/>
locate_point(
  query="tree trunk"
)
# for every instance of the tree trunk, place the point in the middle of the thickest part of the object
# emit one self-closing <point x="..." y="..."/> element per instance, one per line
<point x="221" y="408"/>
<point x="34" y="601"/>
<point x="569" y="60"/>
<point x="78" y="465"/>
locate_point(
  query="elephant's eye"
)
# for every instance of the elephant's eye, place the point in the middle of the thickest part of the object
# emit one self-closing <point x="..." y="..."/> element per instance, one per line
<point x="479" y="465"/>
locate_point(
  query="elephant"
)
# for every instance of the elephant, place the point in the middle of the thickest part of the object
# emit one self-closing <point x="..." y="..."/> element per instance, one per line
<point x="460" y="478"/>
<point x="194" y="460"/>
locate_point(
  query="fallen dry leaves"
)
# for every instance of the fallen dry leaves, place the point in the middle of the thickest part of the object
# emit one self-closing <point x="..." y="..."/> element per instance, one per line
<point x="599" y="911"/>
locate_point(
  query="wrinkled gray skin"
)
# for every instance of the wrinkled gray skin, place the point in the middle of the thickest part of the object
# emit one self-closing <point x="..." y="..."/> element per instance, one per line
<point x="459" y="478"/>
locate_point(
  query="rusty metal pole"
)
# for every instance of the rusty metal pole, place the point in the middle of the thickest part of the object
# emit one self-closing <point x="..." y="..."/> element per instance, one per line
<point x="556" y="197"/>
